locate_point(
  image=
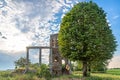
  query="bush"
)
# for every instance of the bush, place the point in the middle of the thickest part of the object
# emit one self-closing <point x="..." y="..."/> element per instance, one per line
<point x="43" y="72"/>
<point x="20" y="70"/>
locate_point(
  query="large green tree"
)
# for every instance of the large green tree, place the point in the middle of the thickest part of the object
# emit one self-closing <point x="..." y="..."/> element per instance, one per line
<point x="85" y="35"/>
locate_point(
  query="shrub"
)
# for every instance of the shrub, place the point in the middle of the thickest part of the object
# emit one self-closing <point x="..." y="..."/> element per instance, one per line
<point x="43" y="72"/>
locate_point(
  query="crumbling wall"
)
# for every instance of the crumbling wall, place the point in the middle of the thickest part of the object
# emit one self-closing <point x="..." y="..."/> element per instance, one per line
<point x="55" y="58"/>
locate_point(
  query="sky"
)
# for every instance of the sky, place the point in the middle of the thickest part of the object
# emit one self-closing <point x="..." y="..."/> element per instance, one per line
<point x="31" y="22"/>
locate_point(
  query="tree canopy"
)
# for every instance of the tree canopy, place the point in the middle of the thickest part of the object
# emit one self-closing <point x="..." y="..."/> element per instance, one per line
<point x="85" y="34"/>
<point x="21" y="62"/>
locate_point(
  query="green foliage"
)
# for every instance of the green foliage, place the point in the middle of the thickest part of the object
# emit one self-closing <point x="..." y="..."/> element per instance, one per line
<point x="85" y="34"/>
<point x="99" y="66"/>
<point x="113" y="71"/>
<point x="6" y="75"/>
<point x="26" y="77"/>
<point x="78" y="66"/>
<point x="21" y="62"/>
<point x="44" y="72"/>
<point x="35" y="66"/>
<point x="20" y="70"/>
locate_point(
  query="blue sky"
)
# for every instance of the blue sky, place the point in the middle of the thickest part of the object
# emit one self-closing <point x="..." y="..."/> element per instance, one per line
<point x="30" y="22"/>
<point x="112" y="9"/>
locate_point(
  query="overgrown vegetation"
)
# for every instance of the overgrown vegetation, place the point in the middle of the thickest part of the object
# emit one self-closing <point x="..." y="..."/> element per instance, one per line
<point x="43" y="72"/>
<point x="21" y="62"/>
<point x="77" y="75"/>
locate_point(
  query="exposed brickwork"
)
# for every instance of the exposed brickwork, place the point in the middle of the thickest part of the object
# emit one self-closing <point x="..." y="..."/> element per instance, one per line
<point x="55" y="57"/>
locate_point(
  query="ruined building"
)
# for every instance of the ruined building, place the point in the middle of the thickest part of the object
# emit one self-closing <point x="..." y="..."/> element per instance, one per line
<point x="55" y="59"/>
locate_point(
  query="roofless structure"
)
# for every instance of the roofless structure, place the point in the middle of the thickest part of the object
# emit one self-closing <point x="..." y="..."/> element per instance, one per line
<point x="55" y="59"/>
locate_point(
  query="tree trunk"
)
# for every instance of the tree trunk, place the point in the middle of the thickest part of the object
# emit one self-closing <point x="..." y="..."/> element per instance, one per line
<point x="89" y="68"/>
<point x="85" y="69"/>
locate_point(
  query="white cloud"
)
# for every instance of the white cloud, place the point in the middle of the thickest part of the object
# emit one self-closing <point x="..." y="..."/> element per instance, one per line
<point x="115" y="62"/>
<point x="30" y="22"/>
<point x="115" y="17"/>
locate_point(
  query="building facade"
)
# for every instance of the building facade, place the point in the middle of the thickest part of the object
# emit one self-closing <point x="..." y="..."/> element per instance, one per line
<point x="55" y="59"/>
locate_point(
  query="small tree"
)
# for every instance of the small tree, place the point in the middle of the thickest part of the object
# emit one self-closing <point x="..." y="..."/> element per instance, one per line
<point x="85" y="35"/>
<point x="21" y="62"/>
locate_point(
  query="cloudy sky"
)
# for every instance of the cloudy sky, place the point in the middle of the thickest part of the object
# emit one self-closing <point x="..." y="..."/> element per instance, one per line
<point x="30" y="22"/>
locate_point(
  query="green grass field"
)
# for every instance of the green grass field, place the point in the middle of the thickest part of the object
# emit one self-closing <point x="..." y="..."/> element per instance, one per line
<point x="112" y="74"/>
<point x="114" y="71"/>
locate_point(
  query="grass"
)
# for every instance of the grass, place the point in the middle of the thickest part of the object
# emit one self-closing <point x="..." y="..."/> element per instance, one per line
<point x="114" y="71"/>
<point x="105" y="76"/>
<point x="94" y="76"/>
<point x="68" y="77"/>
<point x="112" y="74"/>
<point x="8" y="75"/>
